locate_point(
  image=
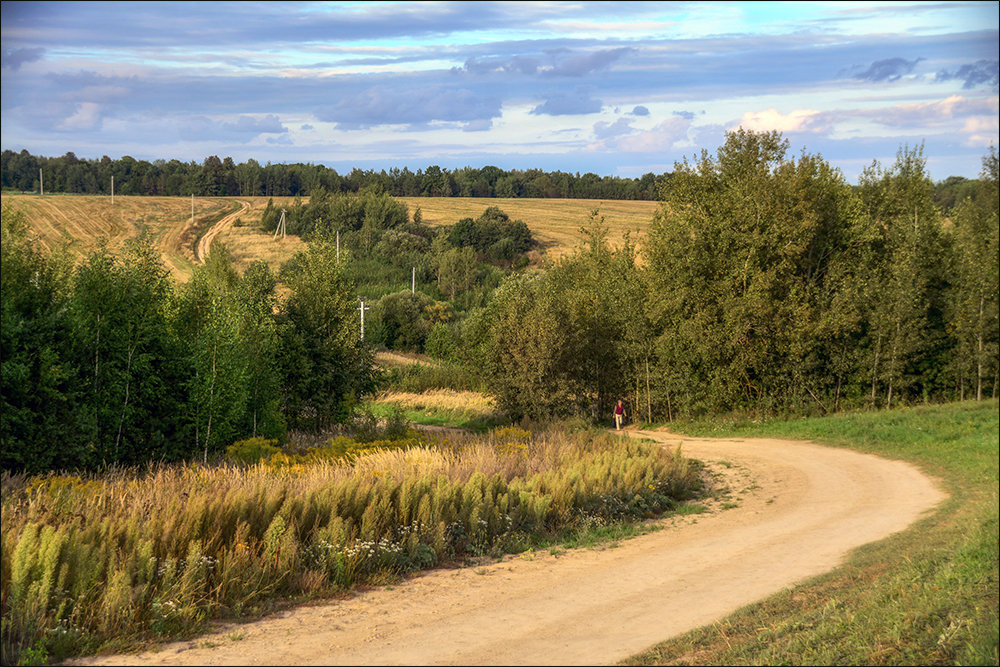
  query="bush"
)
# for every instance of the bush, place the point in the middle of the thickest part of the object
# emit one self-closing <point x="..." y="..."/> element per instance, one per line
<point x="365" y="426"/>
<point x="252" y="450"/>
<point x="418" y="378"/>
<point x="442" y="342"/>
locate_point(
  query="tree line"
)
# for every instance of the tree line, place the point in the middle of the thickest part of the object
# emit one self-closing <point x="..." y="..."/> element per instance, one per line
<point x="216" y="177"/>
<point x="110" y="362"/>
<point x="767" y="285"/>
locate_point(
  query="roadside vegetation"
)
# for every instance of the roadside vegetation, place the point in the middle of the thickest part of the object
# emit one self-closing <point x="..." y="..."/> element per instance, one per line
<point x="114" y="560"/>
<point x="925" y="596"/>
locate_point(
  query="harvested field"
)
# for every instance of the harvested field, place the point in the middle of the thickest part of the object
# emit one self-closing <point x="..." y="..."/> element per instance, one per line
<point x="556" y="223"/>
<point x="80" y="221"/>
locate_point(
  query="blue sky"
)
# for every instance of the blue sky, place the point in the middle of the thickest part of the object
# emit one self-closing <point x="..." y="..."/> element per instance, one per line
<point x="614" y="88"/>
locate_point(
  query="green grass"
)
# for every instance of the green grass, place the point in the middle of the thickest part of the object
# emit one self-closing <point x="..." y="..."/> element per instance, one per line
<point x="926" y="595"/>
<point x="469" y="420"/>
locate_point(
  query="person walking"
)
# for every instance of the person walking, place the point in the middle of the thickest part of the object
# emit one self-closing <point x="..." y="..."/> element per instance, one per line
<point x="619" y="415"/>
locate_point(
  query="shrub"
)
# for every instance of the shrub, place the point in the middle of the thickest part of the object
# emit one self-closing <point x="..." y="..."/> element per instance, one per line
<point x="252" y="450"/>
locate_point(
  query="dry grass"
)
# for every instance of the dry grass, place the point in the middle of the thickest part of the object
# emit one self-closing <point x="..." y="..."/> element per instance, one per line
<point x="81" y="220"/>
<point x="125" y="557"/>
<point x="556" y="223"/>
<point x="441" y="399"/>
<point x="248" y="244"/>
<point x="393" y="359"/>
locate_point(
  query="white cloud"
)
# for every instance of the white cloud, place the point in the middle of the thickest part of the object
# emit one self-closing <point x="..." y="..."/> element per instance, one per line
<point x="86" y="117"/>
<point x="981" y="130"/>
<point x="799" y="120"/>
<point x="934" y="114"/>
<point x="662" y="138"/>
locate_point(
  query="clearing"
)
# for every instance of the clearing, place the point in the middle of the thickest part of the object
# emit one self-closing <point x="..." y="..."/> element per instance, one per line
<point x="794" y="510"/>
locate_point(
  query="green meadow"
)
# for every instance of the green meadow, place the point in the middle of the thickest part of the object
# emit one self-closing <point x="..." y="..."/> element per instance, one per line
<point x="924" y="596"/>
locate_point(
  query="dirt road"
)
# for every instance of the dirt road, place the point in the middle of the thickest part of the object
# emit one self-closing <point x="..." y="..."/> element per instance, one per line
<point x="800" y="508"/>
<point x="205" y="242"/>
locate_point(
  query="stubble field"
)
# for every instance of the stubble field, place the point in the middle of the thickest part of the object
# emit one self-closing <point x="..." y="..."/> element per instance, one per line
<point x="80" y="221"/>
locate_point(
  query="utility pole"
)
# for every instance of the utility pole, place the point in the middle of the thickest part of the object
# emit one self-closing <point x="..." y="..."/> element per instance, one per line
<point x="363" y="309"/>
<point x="41" y="184"/>
<point x="192" y="209"/>
<point x="112" y="190"/>
<point x="280" y="227"/>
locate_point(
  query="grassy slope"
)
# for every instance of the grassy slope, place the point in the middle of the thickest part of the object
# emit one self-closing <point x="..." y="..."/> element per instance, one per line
<point x="556" y="223"/>
<point x="83" y="219"/>
<point x="926" y="595"/>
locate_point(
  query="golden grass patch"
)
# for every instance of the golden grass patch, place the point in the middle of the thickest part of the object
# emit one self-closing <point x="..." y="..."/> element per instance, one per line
<point x="556" y="223"/>
<point x="440" y="399"/>
<point x="393" y="359"/>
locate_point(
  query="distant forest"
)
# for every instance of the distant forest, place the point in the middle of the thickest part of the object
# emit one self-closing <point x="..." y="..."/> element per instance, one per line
<point x="221" y="178"/>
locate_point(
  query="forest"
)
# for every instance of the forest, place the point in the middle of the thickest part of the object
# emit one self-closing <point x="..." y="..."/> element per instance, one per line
<point x="767" y="285"/>
<point x="224" y="178"/>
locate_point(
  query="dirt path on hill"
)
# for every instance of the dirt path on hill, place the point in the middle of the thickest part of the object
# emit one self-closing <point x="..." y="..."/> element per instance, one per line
<point x="205" y="242"/>
<point x="800" y="508"/>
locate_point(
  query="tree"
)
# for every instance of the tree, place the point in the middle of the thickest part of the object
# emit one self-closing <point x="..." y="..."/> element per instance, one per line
<point x="740" y="257"/>
<point x="973" y="307"/>
<point x="326" y="368"/>
<point x="125" y="350"/>
<point x="40" y="422"/>
<point x="260" y="336"/>
<point x="404" y="320"/>
<point x="208" y="321"/>
<point x="456" y="271"/>
<point x="904" y="278"/>
<point x="554" y="344"/>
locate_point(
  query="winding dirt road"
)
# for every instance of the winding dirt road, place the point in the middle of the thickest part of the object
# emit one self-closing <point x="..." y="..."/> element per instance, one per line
<point x="800" y="508"/>
<point x="205" y="242"/>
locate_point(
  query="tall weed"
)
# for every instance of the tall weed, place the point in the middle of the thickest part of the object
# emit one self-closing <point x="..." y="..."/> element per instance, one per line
<point x="128" y="556"/>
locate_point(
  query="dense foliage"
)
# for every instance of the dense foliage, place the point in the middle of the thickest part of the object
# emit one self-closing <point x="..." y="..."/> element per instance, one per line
<point x="215" y="177"/>
<point x="110" y="363"/>
<point x="768" y="285"/>
<point x="414" y="276"/>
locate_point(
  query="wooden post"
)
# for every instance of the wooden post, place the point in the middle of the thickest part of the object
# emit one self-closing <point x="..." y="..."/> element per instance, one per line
<point x="363" y="309"/>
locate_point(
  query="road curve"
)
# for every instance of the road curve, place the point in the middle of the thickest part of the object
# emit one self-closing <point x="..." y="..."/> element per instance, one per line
<point x="205" y="242"/>
<point x="800" y="508"/>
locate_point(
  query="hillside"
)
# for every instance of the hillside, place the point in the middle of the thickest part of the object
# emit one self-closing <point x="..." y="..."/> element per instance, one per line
<point x="81" y="220"/>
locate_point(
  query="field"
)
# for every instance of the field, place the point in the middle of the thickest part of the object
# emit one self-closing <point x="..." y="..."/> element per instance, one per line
<point x="82" y="220"/>
<point x="556" y="223"/>
<point x="79" y="222"/>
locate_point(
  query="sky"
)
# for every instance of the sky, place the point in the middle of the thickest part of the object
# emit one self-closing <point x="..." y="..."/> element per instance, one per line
<point x="612" y="88"/>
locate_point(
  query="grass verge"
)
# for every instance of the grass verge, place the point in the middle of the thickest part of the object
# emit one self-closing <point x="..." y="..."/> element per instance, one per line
<point x="927" y="595"/>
